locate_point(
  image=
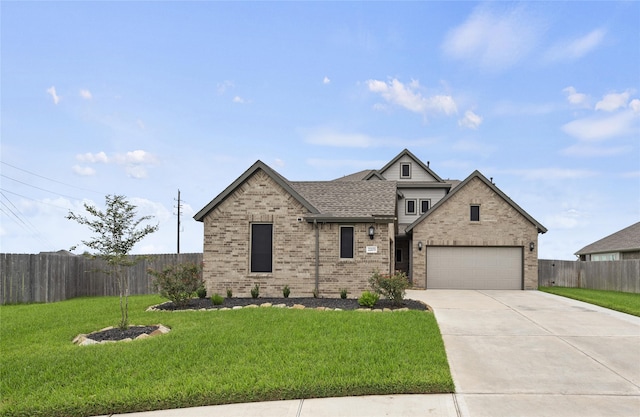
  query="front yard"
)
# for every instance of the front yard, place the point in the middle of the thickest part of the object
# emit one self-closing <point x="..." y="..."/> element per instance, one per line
<point x="210" y="357"/>
<point x="620" y="301"/>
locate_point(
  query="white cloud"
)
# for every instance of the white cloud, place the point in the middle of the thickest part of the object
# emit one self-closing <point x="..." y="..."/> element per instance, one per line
<point x="343" y="140"/>
<point x="635" y="105"/>
<point x="135" y="157"/>
<point x="612" y="102"/>
<point x="86" y="94"/>
<point x="329" y="137"/>
<point x="586" y="150"/>
<point x="575" y="48"/>
<point x="600" y="128"/>
<point x="93" y="157"/>
<point x="410" y="97"/>
<point x="494" y="40"/>
<point x="140" y="124"/>
<point x="224" y="86"/>
<point x="470" y="120"/>
<point x="575" y="98"/>
<point x="279" y="163"/>
<point x="52" y="92"/>
<point x="239" y="100"/>
<point x="352" y="164"/>
<point x="136" y="171"/>
<point x="84" y="171"/>
<point x="326" y="80"/>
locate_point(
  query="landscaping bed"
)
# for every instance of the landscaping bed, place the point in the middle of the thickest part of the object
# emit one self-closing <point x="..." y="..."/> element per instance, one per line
<point x="309" y="302"/>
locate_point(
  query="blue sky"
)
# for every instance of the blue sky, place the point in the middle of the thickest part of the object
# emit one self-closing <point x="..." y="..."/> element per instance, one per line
<point x="145" y="98"/>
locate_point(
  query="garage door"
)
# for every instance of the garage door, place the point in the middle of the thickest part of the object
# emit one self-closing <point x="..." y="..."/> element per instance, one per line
<point x="475" y="268"/>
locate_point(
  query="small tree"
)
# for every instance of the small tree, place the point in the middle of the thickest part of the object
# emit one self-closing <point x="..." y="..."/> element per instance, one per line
<point x="116" y="231"/>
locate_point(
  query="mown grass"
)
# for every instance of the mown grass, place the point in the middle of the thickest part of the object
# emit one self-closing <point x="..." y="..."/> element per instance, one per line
<point x="212" y="357"/>
<point x="620" y="301"/>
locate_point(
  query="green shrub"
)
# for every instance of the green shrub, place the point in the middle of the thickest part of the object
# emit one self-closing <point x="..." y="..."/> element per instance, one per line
<point x="229" y="293"/>
<point x="368" y="299"/>
<point x="390" y="286"/>
<point x="343" y="293"/>
<point x="201" y="292"/>
<point x="255" y="291"/>
<point x="286" y="291"/>
<point x="217" y="299"/>
<point x="178" y="282"/>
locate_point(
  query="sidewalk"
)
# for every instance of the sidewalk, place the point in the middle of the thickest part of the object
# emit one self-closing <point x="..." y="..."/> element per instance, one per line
<point x="437" y="405"/>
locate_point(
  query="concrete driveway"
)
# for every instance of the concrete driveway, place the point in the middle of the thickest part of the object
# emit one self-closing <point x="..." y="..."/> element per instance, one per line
<point x="528" y="353"/>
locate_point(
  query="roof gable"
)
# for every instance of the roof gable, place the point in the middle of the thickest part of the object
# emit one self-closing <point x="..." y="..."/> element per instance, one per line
<point x="626" y="239"/>
<point x="405" y="154"/>
<point x="454" y="191"/>
<point x="258" y="165"/>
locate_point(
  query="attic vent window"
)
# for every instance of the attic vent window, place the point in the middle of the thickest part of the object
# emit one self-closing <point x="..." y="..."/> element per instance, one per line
<point x="475" y="213"/>
<point x="405" y="170"/>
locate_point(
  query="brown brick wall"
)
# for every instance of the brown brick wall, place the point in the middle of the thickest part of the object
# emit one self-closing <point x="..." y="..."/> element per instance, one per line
<point x="499" y="225"/>
<point x="260" y="199"/>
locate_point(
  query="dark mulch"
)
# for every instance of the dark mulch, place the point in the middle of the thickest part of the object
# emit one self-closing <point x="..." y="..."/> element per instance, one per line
<point x="117" y="334"/>
<point x="346" y="304"/>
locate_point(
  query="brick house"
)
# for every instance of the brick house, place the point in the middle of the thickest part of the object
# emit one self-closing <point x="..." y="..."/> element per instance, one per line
<point x="328" y="235"/>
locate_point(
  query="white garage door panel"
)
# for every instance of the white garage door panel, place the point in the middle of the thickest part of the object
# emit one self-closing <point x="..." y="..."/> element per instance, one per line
<point x="478" y="268"/>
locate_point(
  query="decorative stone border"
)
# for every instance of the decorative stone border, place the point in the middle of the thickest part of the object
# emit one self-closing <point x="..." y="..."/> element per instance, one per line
<point x="84" y="339"/>
<point x="294" y="307"/>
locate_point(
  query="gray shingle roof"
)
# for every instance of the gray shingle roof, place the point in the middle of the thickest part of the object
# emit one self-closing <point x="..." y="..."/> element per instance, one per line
<point x="627" y="239"/>
<point x="355" y="199"/>
<point x="357" y="176"/>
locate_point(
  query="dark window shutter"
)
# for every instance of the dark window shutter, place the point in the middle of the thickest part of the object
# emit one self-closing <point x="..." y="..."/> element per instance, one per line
<point x="346" y="242"/>
<point x="261" y="247"/>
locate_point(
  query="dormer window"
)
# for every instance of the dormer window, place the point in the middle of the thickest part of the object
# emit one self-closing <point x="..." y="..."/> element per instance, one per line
<point x="405" y="170"/>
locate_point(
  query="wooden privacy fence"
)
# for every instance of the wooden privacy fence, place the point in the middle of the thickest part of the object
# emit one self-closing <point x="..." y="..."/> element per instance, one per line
<point x="604" y="275"/>
<point x="49" y="277"/>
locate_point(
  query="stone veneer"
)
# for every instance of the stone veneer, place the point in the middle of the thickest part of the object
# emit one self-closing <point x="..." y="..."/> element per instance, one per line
<point x="500" y="225"/>
<point x="261" y="200"/>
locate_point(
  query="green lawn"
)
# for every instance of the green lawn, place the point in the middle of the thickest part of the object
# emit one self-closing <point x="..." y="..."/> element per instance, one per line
<point x="212" y="357"/>
<point x="625" y="302"/>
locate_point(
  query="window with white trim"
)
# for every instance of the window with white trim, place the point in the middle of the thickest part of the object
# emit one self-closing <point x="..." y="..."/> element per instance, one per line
<point x="405" y="170"/>
<point x="425" y="205"/>
<point x="410" y="206"/>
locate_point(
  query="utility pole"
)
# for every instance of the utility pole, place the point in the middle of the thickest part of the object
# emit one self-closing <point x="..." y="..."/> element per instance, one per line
<point x="178" y="231"/>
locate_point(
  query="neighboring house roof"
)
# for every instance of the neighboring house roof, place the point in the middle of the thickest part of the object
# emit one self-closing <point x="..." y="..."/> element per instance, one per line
<point x="325" y="200"/>
<point x="477" y="174"/>
<point x="259" y="165"/>
<point x="349" y="199"/>
<point x="417" y="161"/>
<point x="625" y="240"/>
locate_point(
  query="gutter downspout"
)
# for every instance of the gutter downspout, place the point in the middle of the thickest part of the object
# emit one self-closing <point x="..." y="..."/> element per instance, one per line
<point x="315" y="225"/>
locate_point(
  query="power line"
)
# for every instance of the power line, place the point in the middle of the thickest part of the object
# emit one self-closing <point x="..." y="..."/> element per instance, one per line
<point x="50" y="179"/>
<point x="39" y="188"/>
<point x="24" y="222"/>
